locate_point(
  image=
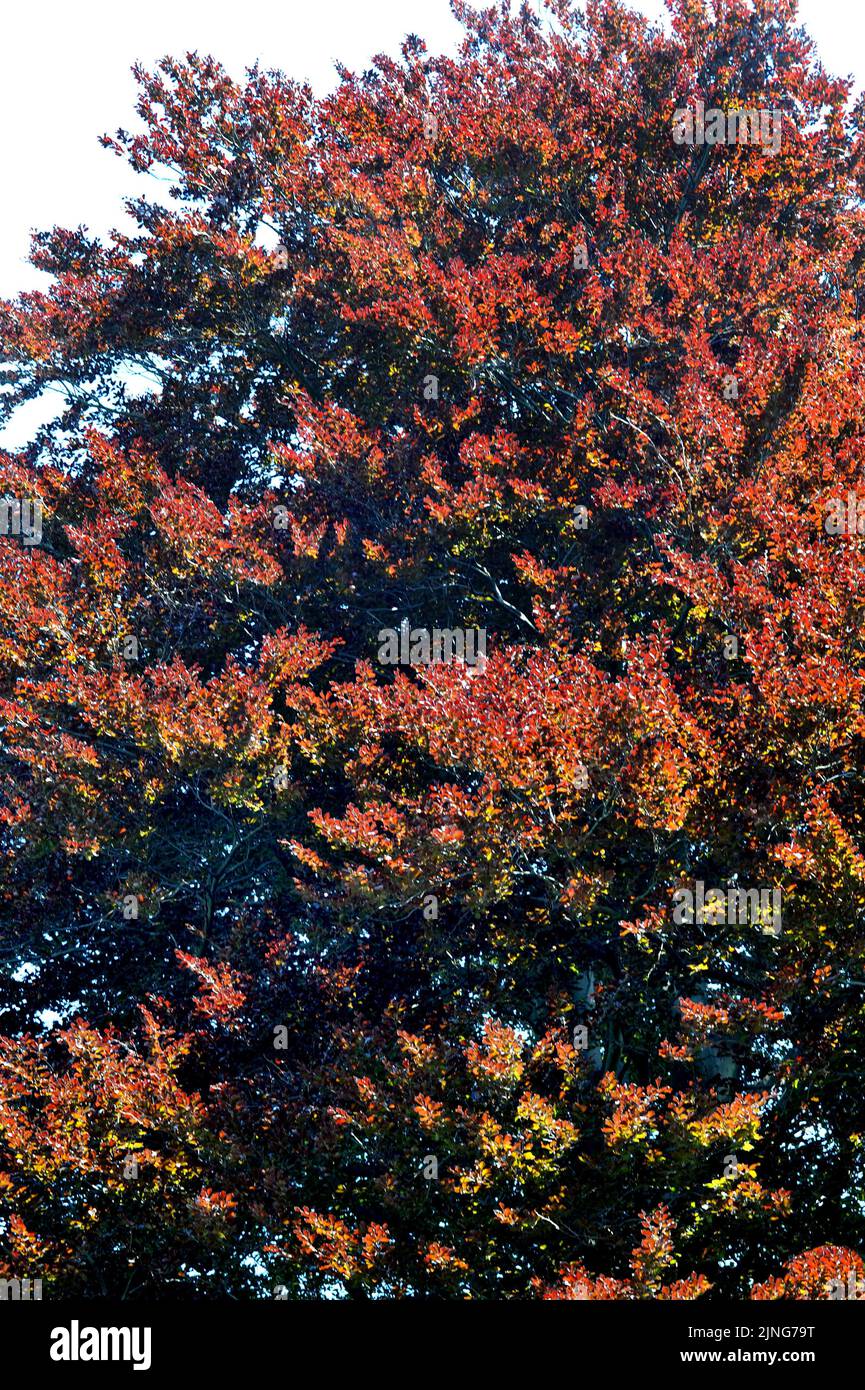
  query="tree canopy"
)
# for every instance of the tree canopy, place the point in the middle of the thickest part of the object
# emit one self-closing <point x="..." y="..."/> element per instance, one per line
<point x="337" y="977"/>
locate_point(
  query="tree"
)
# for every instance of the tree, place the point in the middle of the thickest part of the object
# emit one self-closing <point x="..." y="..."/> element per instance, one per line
<point x="390" y="978"/>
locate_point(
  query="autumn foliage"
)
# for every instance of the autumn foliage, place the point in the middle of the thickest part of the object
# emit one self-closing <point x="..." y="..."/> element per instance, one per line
<point x="296" y="944"/>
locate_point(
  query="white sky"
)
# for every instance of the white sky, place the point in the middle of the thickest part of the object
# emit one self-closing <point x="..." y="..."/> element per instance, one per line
<point x="65" y="79"/>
